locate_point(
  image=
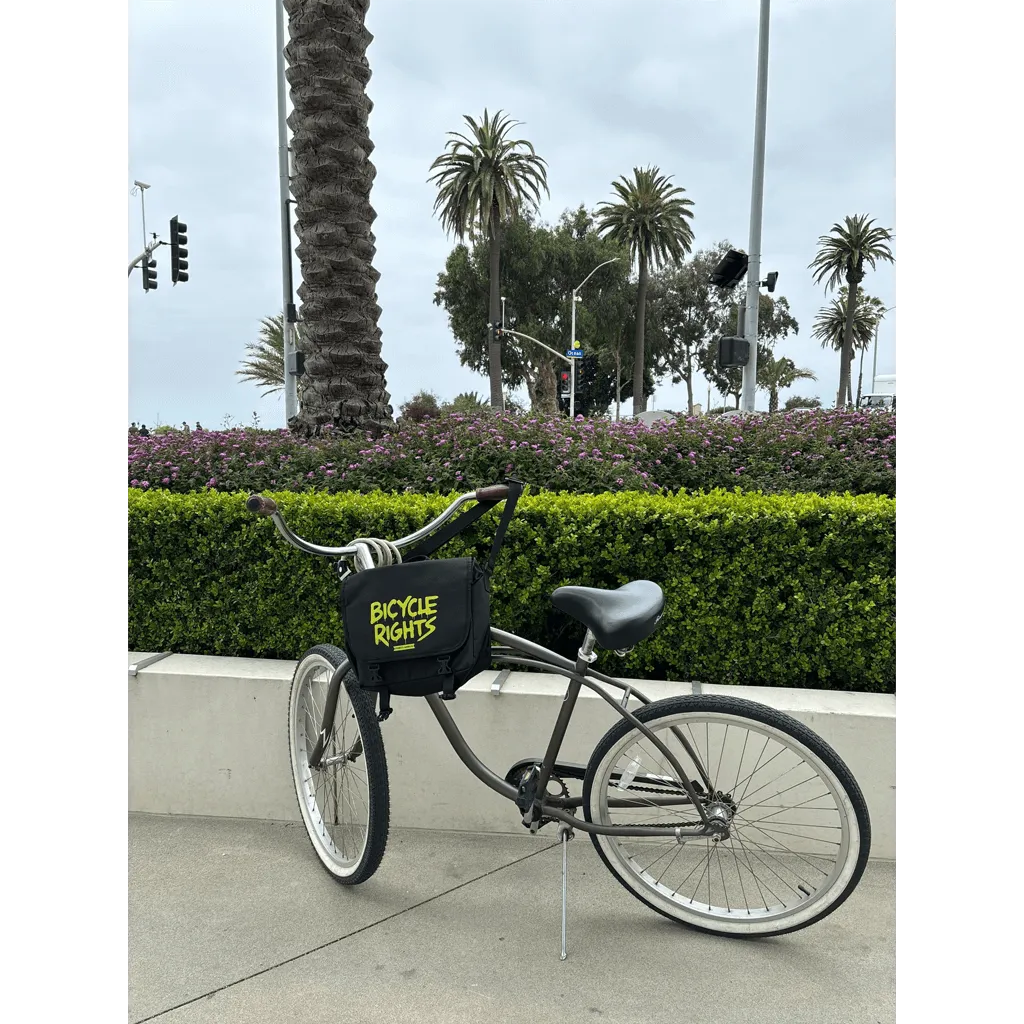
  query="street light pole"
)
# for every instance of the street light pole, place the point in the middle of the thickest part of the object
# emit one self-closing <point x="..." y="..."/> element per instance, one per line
<point x="572" y="334"/>
<point x="291" y="399"/>
<point x="756" y="209"/>
<point x="874" y="361"/>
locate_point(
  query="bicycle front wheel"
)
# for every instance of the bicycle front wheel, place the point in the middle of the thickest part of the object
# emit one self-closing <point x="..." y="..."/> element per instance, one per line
<point x="798" y="829"/>
<point x="344" y="802"/>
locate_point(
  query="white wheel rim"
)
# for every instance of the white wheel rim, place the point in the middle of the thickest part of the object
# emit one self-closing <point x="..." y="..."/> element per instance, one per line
<point x="752" y="881"/>
<point x="334" y="800"/>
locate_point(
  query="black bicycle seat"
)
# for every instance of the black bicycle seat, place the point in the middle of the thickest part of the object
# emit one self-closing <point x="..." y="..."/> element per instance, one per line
<point x="617" y="618"/>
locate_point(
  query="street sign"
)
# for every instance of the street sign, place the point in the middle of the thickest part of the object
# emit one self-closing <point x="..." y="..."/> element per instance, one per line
<point x="574" y="353"/>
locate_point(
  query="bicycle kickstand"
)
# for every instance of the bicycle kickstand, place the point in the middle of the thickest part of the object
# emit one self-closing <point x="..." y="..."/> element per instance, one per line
<point x="565" y="833"/>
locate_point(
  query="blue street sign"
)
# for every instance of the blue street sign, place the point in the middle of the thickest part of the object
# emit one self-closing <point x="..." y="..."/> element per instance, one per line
<point x="574" y="353"/>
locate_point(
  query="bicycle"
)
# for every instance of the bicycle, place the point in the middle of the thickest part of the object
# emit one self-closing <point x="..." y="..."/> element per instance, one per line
<point x="765" y="831"/>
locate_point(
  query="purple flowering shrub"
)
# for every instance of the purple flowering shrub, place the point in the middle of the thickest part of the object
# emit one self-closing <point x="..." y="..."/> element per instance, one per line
<point x="823" y="451"/>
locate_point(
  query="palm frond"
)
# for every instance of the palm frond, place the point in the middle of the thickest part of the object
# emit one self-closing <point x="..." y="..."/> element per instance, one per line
<point x="843" y="253"/>
<point x="650" y="217"/>
<point x="830" y="321"/>
<point x="486" y="172"/>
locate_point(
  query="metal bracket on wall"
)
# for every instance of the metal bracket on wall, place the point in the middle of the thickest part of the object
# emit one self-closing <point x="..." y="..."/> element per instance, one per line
<point x="133" y="670"/>
<point x="499" y="681"/>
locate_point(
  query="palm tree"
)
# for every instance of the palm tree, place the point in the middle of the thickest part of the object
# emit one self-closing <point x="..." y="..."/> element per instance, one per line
<point x="264" y="363"/>
<point x="830" y="326"/>
<point x="650" y="219"/>
<point x="328" y="71"/>
<point x="842" y="256"/>
<point x="484" y="182"/>
<point x="775" y="374"/>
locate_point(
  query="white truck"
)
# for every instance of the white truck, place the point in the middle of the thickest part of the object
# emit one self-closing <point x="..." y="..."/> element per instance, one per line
<point x="883" y="393"/>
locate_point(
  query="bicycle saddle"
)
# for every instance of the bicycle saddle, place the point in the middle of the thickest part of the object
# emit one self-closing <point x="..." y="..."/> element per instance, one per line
<point x="617" y="618"/>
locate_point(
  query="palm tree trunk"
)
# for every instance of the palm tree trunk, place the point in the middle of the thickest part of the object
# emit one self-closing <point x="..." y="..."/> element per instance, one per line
<point x="773" y="401"/>
<point x="344" y="381"/>
<point x="494" y="345"/>
<point x="846" y="360"/>
<point x="639" y="399"/>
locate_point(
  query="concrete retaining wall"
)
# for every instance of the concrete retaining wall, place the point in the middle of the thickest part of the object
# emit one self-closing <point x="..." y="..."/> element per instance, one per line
<point x="208" y="736"/>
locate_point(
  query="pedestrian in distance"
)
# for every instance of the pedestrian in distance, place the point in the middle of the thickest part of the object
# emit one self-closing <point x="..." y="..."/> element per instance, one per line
<point x="143" y="431"/>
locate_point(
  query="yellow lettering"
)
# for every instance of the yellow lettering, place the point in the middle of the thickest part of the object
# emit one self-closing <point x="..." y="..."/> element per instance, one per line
<point x="426" y="628"/>
<point x="430" y="605"/>
<point x="408" y="630"/>
<point x="391" y="608"/>
<point x="376" y="612"/>
<point x="380" y="633"/>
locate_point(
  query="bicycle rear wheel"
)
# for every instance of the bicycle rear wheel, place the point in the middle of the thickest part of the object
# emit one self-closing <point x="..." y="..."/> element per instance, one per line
<point x="344" y="803"/>
<point x="799" y="833"/>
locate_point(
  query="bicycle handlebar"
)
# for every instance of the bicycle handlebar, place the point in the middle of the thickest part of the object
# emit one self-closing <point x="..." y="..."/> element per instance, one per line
<point x="260" y="505"/>
<point x="494" y="492"/>
<point x="268" y="507"/>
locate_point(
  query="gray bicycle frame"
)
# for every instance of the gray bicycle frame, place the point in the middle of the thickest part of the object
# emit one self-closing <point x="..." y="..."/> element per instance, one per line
<point x="556" y="807"/>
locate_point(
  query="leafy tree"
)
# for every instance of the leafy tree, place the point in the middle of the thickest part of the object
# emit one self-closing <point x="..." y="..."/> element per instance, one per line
<point x="691" y="313"/>
<point x="774" y="322"/>
<point x="773" y="375"/>
<point x="422" y="405"/>
<point x="467" y="403"/>
<point x="484" y="183"/>
<point x="344" y="381"/>
<point x="843" y="255"/>
<point x="650" y="219"/>
<point x="264" y="362"/>
<point x="798" y="402"/>
<point x="541" y="265"/>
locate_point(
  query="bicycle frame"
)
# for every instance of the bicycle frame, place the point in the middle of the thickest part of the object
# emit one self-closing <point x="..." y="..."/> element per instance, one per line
<point x="557" y="807"/>
<point x="510" y="650"/>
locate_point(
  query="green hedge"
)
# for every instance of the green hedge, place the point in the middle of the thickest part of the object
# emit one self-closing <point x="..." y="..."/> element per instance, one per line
<point x="774" y="590"/>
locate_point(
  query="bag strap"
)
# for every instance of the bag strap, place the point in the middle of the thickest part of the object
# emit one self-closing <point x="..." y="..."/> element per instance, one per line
<point x="515" y="488"/>
<point x="456" y="526"/>
<point x="430" y="544"/>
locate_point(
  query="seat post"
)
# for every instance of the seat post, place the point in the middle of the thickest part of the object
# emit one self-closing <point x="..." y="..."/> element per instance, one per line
<point x="585" y="656"/>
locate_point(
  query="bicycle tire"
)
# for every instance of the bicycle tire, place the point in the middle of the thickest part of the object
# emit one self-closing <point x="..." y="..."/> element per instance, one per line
<point x="711" y="915"/>
<point x="355" y="707"/>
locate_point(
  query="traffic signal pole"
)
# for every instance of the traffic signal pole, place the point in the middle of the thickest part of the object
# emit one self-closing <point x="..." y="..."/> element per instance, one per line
<point x="756" y="210"/>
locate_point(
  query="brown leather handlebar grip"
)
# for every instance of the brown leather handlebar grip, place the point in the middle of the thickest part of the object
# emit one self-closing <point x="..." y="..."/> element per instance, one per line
<point x="262" y="506"/>
<point x="495" y="492"/>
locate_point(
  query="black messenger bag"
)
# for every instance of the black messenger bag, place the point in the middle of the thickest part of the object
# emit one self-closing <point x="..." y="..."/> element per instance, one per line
<point x="423" y="626"/>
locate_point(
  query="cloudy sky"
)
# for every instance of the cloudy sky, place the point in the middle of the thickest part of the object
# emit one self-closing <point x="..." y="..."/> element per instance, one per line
<point x="600" y="86"/>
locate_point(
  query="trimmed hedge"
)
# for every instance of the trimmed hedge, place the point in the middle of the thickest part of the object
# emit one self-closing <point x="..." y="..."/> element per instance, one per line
<point x="774" y="590"/>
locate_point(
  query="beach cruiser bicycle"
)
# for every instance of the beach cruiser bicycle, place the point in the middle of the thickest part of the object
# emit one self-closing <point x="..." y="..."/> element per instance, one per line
<point x="719" y="813"/>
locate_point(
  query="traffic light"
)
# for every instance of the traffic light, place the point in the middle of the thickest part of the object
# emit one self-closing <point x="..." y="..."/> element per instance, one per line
<point x="563" y="384"/>
<point x="730" y="269"/>
<point x="149" y="274"/>
<point x="732" y="352"/>
<point x="771" y="279"/>
<point x="179" y="254"/>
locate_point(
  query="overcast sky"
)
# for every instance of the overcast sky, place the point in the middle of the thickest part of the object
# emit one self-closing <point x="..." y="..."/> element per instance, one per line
<point x="601" y="86"/>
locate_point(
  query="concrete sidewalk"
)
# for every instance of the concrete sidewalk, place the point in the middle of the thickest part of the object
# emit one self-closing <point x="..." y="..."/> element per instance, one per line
<point x="234" y="921"/>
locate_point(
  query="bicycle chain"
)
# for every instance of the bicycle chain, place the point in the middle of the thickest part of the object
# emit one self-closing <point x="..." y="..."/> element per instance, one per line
<point x="668" y="789"/>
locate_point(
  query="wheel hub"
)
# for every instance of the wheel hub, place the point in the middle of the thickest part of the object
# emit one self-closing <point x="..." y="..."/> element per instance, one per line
<point x="720" y="815"/>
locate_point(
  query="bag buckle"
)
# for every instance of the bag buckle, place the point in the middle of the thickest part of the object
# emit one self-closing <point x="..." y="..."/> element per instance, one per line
<point x="374" y="669"/>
